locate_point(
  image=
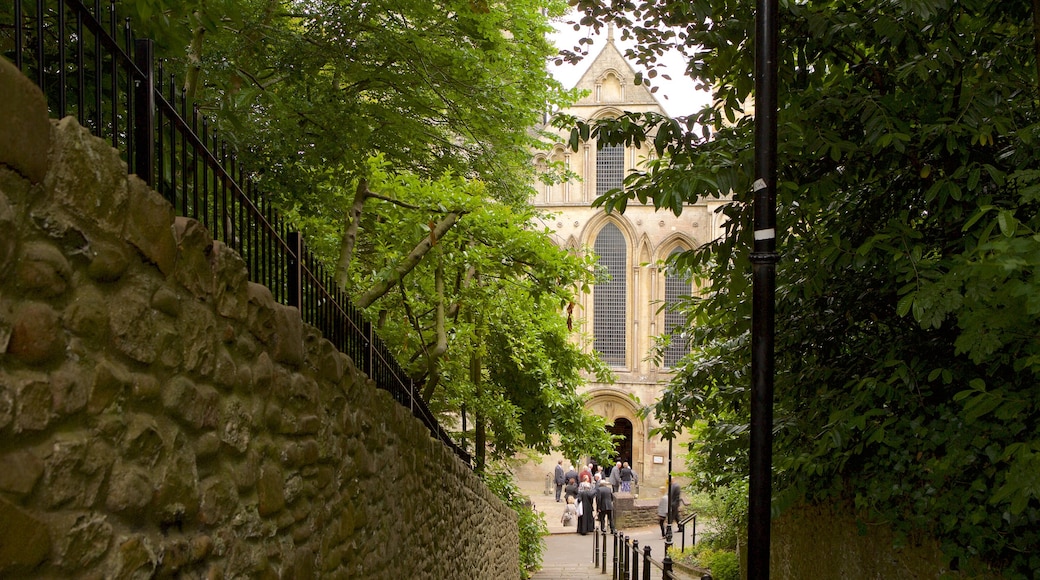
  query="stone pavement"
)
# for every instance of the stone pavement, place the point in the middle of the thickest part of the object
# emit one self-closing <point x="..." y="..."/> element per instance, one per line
<point x="569" y="555"/>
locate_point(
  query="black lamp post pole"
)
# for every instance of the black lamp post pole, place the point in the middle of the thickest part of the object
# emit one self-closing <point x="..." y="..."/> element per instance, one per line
<point x="763" y="263"/>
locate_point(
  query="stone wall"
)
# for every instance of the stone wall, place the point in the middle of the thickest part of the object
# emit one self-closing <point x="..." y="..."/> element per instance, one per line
<point x="162" y="416"/>
<point x="827" y="542"/>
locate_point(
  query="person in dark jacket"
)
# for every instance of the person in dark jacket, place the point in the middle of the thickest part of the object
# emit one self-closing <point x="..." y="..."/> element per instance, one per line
<point x="586" y="521"/>
<point x="558" y="479"/>
<point x="605" y="504"/>
<point x="572" y="488"/>
<point x="571" y="474"/>
<point x="675" y="502"/>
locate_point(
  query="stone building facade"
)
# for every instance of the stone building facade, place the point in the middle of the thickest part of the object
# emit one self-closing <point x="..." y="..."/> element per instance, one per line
<point x="161" y="416"/>
<point x="624" y="316"/>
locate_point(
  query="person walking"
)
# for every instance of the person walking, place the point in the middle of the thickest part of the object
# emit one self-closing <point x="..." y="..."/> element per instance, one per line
<point x="615" y="477"/>
<point x="571" y="474"/>
<point x="676" y="501"/>
<point x="662" y="509"/>
<point x="605" y="504"/>
<point x="558" y="479"/>
<point x="586" y="519"/>
<point x="571" y="490"/>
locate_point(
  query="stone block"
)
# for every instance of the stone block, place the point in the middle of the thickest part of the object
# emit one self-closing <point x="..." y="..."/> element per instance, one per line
<point x="149" y="226"/>
<point x="19" y="472"/>
<point x="26" y="139"/>
<point x="108" y="261"/>
<point x="110" y="381"/>
<point x="229" y="284"/>
<point x="270" y="490"/>
<point x="24" y="540"/>
<point x="87" y="181"/>
<point x="42" y="271"/>
<point x="135" y="558"/>
<point x="84" y="542"/>
<point x="86" y="314"/>
<point x="37" y="336"/>
<point x="193" y="269"/>
<point x="9" y="227"/>
<point x="130" y="490"/>
<point x="288" y="337"/>
<point x="33" y="402"/>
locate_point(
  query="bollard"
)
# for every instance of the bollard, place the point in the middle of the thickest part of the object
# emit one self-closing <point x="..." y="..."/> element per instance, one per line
<point x="624" y="556"/>
<point x="646" y="562"/>
<point x="603" y="564"/>
<point x="706" y="577"/>
<point x="667" y="562"/>
<point x="635" y="560"/>
<point x="614" y="569"/>
<point x="595" y="548"/>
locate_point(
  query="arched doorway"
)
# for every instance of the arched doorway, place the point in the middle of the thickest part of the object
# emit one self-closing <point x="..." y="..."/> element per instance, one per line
<point x="622" y="447"/>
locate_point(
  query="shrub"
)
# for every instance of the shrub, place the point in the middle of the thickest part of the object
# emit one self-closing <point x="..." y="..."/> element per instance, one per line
<point x="723" y="565"/>
<point x="727" y="511"/>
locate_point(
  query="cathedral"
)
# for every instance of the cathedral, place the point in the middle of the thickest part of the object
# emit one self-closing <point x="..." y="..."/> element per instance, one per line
<point x="622" y="315"/>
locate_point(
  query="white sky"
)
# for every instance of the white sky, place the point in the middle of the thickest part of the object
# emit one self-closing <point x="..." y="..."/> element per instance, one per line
<point x="678" y="95"/>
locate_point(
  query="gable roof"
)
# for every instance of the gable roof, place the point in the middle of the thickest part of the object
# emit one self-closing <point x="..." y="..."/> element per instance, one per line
<point x="615" y="78"/>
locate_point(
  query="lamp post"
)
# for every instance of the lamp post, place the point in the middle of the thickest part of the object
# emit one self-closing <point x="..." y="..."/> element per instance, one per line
<point x="763" y="263"/>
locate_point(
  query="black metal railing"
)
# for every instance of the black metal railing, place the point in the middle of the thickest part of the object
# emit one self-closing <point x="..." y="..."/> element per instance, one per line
<point x="80" y="57"/>
<point x="627" y="562"/>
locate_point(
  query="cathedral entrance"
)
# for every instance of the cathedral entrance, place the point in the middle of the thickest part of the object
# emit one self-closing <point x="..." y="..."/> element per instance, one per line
<point x="623" y="446"/>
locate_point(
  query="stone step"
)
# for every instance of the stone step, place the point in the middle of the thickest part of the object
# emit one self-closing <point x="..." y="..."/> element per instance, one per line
<point x="569" y="572"/>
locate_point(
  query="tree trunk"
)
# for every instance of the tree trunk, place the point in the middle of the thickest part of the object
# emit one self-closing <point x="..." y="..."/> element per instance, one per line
<point x="191" y="78"/>
<point x="476" y="374"/>
<point x="346" y="247"/>
<point x="441" y="345"/>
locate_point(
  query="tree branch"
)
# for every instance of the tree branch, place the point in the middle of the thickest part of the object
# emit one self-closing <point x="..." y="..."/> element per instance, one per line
<point x="409" y="263"/>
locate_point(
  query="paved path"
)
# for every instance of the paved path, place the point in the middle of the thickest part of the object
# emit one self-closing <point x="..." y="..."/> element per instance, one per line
<point x="569" y="555"/>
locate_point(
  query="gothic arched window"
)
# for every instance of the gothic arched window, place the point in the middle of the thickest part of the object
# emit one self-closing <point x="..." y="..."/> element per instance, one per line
<point x="610" y="168"/>
<point x="676" y="287"/>
<point x="608" y="311"/>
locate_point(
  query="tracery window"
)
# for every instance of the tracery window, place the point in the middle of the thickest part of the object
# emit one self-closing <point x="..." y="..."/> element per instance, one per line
<point x="609" y="311"/>
<point x="610" y="168"/>
<point x="676" y="287"/>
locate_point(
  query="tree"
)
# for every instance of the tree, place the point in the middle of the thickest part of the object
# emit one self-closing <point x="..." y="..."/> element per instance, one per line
<point x="907" y="351"/>
<point x="479" y="319"/>
<point x="395" y="133"/>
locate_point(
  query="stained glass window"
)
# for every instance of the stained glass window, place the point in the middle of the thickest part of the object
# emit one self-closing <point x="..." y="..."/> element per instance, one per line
<point x="610" y="168"/>
<point x="675" y="288"/>
<point x="609" y="312"/>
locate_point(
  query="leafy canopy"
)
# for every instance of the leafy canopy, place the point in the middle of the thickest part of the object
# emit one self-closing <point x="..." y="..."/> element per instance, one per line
<point x="395" y="134"/>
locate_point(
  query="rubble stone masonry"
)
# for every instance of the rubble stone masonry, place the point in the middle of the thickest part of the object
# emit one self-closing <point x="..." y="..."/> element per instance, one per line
<point x="161" y="416"/>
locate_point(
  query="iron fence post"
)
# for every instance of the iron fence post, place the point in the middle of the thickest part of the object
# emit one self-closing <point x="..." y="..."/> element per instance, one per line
<point x="666" y="563"/>
<point x="614" y="569"/>
<point x="294" y="275"/>
<point x="144" y="113"/>
<point x="595" y="547"/>
<point x="626" y="558"/>
<point x="646" y="562"/>
<point x="635" y="560"/>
